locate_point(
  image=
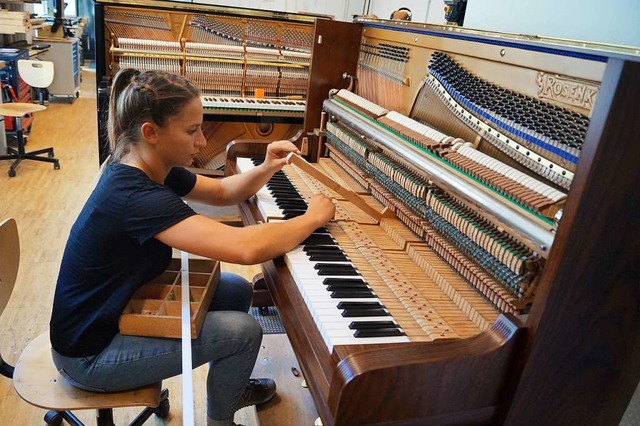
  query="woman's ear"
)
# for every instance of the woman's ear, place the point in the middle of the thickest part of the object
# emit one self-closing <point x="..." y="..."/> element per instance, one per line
<point x="149" y="132"/>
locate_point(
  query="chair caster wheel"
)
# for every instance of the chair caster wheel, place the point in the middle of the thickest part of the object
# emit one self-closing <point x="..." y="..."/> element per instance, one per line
<point x="50" y="155"/>
<point x="53" y="418"/>
<point x="12" y="173"/>
<point x="56" y="166"/>
<point x="162" y="410"/>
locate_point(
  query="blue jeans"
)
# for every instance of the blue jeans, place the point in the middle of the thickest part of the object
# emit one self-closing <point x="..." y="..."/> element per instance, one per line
<point x="229" y="341"/>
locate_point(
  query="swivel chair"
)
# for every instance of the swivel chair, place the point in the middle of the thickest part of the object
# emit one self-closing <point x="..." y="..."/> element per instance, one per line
<point x="36" y="379"/>
<point x="38" y="74"/>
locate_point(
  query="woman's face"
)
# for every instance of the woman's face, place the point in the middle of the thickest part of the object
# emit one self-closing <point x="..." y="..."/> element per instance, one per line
<point x="181" y="138"/>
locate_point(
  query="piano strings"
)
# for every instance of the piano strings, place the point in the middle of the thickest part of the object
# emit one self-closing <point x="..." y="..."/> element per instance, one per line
<point x="222" y="55"/>
<point x="381" y="74"/>
<point x="507" y="269"/>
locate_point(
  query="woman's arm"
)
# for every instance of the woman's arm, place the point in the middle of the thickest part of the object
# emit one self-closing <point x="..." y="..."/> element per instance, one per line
<point x="249" y="245"/>
<point x="237" y="188"/>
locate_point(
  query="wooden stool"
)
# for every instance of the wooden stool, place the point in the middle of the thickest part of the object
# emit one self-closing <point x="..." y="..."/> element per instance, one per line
<point x="18" y="110"/>
<point x="36" y="378"/>
<point x="37" y="381"/>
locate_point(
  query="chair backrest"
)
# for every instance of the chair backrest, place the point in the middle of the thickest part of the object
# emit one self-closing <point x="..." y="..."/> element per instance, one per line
<point x="9" y="259"/>
<point x="37" y="74"/>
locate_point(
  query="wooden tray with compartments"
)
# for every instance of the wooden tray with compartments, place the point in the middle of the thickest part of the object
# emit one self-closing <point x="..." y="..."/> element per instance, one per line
<point x="155" y="309"/>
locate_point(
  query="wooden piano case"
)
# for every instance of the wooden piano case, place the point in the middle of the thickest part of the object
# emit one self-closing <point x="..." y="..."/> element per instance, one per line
<point x="576" y="357"/>
<point x="155" y="309"/>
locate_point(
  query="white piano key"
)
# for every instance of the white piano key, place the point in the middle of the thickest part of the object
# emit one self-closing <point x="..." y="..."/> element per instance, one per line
<point x="367" y="340"/>
<point x="340" y="322"/>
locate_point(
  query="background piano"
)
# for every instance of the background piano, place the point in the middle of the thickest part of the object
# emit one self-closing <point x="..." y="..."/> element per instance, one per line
<point x="262" y="58"/>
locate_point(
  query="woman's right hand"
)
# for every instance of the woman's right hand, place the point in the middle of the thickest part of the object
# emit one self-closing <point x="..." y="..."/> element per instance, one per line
<point x="321" y="209"/>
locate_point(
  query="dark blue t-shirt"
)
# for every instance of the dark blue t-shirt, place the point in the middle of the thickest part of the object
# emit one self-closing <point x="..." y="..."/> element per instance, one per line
<point x="111" y="252"/>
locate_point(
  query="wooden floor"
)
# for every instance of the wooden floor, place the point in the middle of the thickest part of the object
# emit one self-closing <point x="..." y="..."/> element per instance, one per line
<point x="45" y="203"/>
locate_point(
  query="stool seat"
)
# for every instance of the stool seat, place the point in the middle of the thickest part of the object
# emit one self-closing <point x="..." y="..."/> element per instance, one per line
<point x="18" y="109"/>
<point x="17" y="155"/>
<point x="37" y="381"/>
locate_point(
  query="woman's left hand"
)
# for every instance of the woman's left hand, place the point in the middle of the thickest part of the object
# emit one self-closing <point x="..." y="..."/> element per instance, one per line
<point x="277" y="153"/>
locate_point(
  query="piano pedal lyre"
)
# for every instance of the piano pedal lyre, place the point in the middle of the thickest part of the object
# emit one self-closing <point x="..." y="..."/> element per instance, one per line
<point x="261" y="296"/>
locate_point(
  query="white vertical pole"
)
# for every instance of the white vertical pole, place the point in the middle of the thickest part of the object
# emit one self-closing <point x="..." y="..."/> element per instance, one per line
<point x="187" y="370"/>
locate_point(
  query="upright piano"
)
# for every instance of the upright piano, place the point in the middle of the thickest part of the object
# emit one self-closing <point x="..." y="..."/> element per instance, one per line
<point x="504" y="289"/>
<point x="252" y="66"/>
<point x="503" y="286"/>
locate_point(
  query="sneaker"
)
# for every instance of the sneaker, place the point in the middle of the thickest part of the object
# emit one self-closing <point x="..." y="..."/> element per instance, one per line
<point x="258" y="391"/>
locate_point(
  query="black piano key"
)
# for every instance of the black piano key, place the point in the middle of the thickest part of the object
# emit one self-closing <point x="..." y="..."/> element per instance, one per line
<point x="281" y="182"/>
<point x="319" y="239"/>
<point x="372" y="325"/>
<point x="336" y="270"/>
<point x="291" y="204"/>
<point x="359" y="305"/>
<point x="325" y="257"/>
<point x="284" y="197"/>
<point x="284" y="189"/>
<point x="296" y="201"/>
<point x="385" y="332"/>
<point x="321" y="249"/>
<point x="282" y="194"/>
<point x="292" y="214"/>
<point x="352" y="313"/>
<point x="338" y="287"/>
<point x="327" y="238"/>
<point x="351" y="294"/>
<point x="294" y="211"/>
<point x="329" y="281"/>
<point x="284" y="185"/>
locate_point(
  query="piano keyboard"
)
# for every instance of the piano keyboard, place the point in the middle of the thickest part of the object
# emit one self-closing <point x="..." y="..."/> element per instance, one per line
<point x="356" y="294"/>
<point x="252" y="104"/>
<point x="265" y="200"/>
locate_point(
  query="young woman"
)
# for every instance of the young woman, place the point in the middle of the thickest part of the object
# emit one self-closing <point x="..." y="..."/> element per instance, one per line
<point x="123" y="239"/>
